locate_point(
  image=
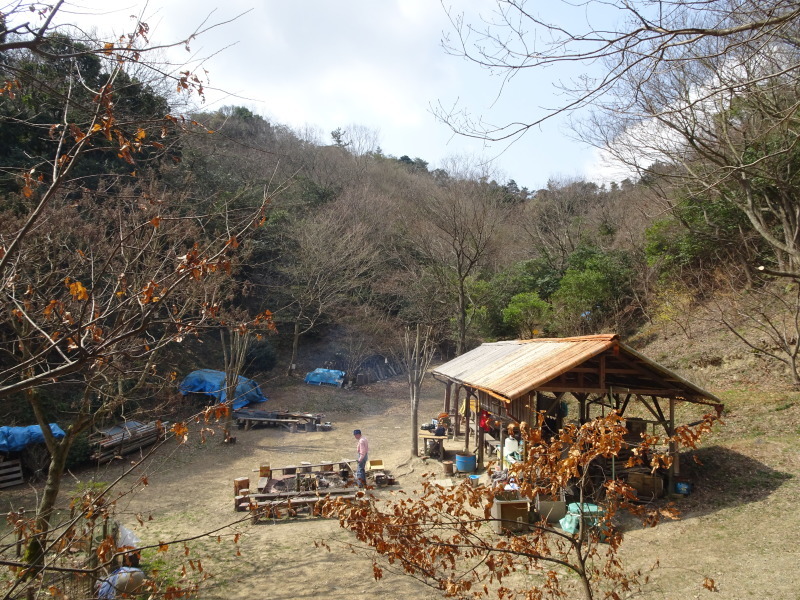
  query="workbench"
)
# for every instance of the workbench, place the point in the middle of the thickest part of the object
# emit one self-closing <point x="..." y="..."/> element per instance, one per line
<point x="428" y="438"/>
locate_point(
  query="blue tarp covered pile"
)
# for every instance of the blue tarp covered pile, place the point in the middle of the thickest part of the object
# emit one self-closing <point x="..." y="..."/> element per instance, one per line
<point x="325" y="377"/>
<point x="207" y="381"/>
<point x="14" y="439"/>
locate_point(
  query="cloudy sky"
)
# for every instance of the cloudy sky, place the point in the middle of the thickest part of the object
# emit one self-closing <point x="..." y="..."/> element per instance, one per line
<point x="379" y="64"/>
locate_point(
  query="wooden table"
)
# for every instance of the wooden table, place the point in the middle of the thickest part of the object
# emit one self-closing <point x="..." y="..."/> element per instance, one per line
<point x="427" y="439"/>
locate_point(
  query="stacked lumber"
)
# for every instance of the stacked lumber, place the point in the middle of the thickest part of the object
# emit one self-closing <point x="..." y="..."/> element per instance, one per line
<point x="10" y="473"/>
<point x="128" y="440"/>
<point x="246" y="418"/>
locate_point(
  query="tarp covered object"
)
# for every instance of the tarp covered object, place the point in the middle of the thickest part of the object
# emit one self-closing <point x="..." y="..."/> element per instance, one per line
<point x="208" y="381"/>
<point x="325" y="377"/>
<point x="14" y="439"/>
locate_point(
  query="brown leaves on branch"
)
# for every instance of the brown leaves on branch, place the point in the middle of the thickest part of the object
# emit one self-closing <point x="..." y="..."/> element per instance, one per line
<point x="442" y="536"/>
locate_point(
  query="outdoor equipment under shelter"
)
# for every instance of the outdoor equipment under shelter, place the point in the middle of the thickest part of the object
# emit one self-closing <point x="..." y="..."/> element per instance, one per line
<point x="516" y="379"/>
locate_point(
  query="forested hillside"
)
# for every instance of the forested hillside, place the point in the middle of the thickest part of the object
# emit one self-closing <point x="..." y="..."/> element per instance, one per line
<point x="362" y="244"/>
<point x="341" y="245"/>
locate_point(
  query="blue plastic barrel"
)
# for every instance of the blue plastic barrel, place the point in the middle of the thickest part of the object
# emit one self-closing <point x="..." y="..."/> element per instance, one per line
<point x="465" y="463"/>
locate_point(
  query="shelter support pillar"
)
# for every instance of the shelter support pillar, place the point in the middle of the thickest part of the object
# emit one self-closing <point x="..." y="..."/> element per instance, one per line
<point x="466" y="420"/>
<point x="475" y="419"/>
<point x="583" y="415"/>
<point x="447" y="389"/>
<point x="457" y="424"/>
<point x="502" y="446"/>
<point x="675" y="468"/>
<point x="479" y="436"/>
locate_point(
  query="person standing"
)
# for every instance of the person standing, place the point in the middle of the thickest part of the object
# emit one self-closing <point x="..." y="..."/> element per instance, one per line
<point x="362" y="448"/>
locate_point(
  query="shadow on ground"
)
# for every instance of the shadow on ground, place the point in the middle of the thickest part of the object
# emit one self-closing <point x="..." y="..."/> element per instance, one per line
<point x="723" y="478"/>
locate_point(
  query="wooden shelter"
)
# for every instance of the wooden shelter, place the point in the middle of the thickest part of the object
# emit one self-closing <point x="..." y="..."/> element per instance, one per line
<point x="515" y="380"/>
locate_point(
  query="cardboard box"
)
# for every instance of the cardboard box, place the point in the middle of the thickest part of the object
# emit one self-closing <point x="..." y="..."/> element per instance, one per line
<point x="511" y="515"/>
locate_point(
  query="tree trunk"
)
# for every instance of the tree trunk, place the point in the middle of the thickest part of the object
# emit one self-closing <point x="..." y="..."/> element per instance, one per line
<point x="34" y="553"/>
<point x="461" y="342"/>
<point x="415" y="391"/>
<point x="295" y="346"/>
<point x="417" y="355"/>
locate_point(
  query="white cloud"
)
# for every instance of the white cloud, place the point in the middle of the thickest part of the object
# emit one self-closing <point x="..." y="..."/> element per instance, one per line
<point x="379" y="64"/>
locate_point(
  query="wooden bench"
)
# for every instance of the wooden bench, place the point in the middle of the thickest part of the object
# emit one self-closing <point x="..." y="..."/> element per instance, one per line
<point x="285" y="423"/>
<point x="272" y="508"/>
<point x="490" y="443"/>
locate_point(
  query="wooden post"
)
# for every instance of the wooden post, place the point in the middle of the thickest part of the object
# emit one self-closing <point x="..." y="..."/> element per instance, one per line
<point x="675" y="468"/>
<point x="474" y="415"/>
<point x="447" y="397"/>
<point x="479" y="433"/>
<point x="502" y="445"/>
<point x="264" y="471"/>
<point x="466" y="421"/>
<point x="457" y="424"/>
<point x="239" y="484"/>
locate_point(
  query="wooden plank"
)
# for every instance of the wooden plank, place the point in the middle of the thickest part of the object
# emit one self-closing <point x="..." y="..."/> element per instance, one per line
<point x="266" y="510"/>
<point x="268" y="420"/>
<point x="11" y="473"/>
<point x="322" y="494"/>
<point x="325" y="464"/>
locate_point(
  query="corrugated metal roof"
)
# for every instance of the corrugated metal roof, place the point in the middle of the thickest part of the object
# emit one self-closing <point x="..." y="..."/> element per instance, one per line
<point x="510" y="369"/>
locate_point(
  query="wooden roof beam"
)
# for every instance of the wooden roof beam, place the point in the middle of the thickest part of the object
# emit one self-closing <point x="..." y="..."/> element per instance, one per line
<point x="665" y="393"/>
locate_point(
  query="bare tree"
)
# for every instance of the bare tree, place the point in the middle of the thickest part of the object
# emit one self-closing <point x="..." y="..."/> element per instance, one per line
<point x="418" y="351"/>
<point x="455" y="229"/>
<point x="708" y="86"/>
<point x="332" y="258"/>
<point x="555" y="220"/>
<point x="234" y="351"/>
<point x="98" y="273"/>
<point x="766" y="319"/>
<point x="368" y="333"/>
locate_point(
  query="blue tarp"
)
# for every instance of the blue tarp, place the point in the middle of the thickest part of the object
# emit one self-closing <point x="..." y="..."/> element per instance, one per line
<point x="14" y="439"/>
<point x="325" y="377"/>
<point x="207" y="381"/>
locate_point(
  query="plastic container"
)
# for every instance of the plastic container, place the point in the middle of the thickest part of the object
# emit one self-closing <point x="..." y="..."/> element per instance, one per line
<point x="590" y="513"/>
<point x="474" y="480"/>
<point x="465" y="463"/>
<point x="683" y="487"/>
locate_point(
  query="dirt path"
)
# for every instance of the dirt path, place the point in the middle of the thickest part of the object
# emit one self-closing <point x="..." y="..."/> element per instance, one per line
<point x="191" y="490"/>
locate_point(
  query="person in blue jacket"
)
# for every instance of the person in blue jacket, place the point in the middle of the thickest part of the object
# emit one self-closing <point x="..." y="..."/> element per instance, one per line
<point x="124" y="580"/>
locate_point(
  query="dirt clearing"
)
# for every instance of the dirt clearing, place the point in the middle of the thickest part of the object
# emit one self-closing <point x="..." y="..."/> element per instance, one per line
<point x="737" y="526"/>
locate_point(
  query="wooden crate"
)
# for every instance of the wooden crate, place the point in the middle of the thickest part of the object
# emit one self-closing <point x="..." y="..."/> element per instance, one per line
<point x="514" y="515"/>
<point x="647" y="486"/>
<point x="10" y="473"/>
